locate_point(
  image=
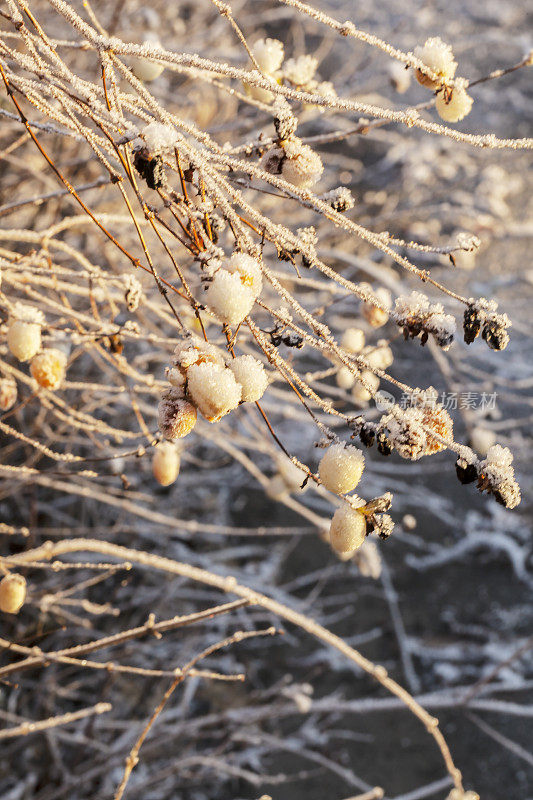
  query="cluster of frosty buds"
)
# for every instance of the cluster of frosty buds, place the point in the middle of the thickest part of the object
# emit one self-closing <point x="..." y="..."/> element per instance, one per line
<point x="232" y="289"/>
<point x="166" y="463"/>
<point x="48" y="368"/>
<point x="453" y="103"/>
<point x="12" y="593"/>
<point x="341" y="467"/>
<point x="149" y="167"/>
<point x="481" y="315"/>
<point x="8" y="393"/>
<point x="495" y="474"/>
<point x="340" y="199"/>
<point x="295" y="161"/>
<point x="419" y="317"/>
<point x="376" y="314"/>
<point x="132" y="291"/>
<point x="409" y="430"/>
<point x="280" y="335"/>
<point x="24" y="331"/>
<point x="201" y="380"/>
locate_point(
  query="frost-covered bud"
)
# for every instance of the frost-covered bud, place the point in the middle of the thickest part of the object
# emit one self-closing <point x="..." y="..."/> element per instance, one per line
<point x="249" y="271"/>
<point x="213" y="390"/>
<point x="166" y="463"/>
<point x="353" y="340"/>
<point x="438" y="56"/>
<point x="482" y="439"/>
<point x="251" y="375"/>
<point x="399" y="76"/>
<point x="269" y="54"/>
<point x="24" y="331"/>
<point x="341" y="467"/>
<point x="340" y="199"/>
<point x="132" y="291"/>
<point x="159" y="137"/>
<point x="144" y="69"/>
<point x="377" y="317"/>
<point x="176" y="416"/>
<point x="8" y="393"/>
<point x="300" y="71"/>
<point x="48" y="368"/>
<point x="455" y="103"/>
<point x="12" y="593"/>
<point x="379" y="356"/>
<point x="194" y="350"/>
<point x="347" y="531"/>
<point x="228" y="298"/>
<point x="360" y="393"/>
<point x="419" y="317"/>
<point x="345" y="378"/>
<point x="496" y="475"/>
<point x="301" y="166"/>
<point x="284" y="120"/>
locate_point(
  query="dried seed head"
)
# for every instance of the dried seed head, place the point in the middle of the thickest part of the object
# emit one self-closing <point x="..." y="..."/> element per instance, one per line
<point x="166" y="463"/>
<point x="341" y="468"/>
<point x="48" y="368"/>
<point x="194" y="350"/>
<point x="251" y="375"/>
<point x="213" y="390"/>
<point x="176" y="416"/>
<point x="24" y="331"/>
<point x="454" y="104"/>
<point x="12" y="593"/>
<point x="495" y="334"/>
<point x="347" y="531"/>
<point x="8" y="393"/>
<point x="438" y="56"/>
<point x="367" y="434"/>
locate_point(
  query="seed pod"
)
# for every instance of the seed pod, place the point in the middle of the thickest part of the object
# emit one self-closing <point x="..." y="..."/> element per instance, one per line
<point x="12" y="593"/>
<point x="467" y="473"/>
<point x="48" y="368"/>
<point x="347" y="530"/>
<point x="24" y="332"/>
<point x="177" y="417"/>
<point x="166" y="463"/>
<point x="8" y="393"/>
<point x="341" y="467"/>
<point x="367" y="434"/>
<point x="471" y="324"/>
<point x="384" y="444"/>
<point x="495" y="335"/>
